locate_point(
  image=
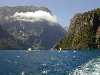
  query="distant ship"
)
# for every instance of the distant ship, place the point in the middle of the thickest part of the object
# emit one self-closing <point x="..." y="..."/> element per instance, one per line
<point x="29" y="49"/>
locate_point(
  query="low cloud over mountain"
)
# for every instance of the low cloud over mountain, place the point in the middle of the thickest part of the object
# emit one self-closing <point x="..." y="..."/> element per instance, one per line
<point x="35" y="16"/>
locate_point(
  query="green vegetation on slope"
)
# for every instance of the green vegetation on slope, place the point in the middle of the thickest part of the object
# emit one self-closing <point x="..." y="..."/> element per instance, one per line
<point x="82" y="32"/>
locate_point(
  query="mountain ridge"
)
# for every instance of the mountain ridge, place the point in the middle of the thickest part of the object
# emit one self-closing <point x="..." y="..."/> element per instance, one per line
<point x="40" y="34"/>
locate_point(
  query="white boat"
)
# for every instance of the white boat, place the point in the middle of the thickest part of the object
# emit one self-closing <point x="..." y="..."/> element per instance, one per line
<point x="29" y="49"/>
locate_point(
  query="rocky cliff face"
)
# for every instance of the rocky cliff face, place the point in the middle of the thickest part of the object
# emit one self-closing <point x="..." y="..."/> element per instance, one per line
<point x="84" y="31"/>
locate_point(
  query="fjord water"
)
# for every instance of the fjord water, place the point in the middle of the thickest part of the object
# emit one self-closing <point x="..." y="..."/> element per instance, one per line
<point x="43" y="62"/>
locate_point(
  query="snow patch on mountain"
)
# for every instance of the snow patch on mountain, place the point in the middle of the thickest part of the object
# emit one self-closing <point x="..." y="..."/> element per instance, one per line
<point x="35" y="16"/>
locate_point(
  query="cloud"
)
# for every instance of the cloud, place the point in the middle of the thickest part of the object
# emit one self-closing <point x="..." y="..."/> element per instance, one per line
<point x="35" y="16"/>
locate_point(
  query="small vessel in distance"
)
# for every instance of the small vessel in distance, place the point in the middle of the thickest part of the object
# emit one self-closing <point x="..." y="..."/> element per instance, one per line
<point x="29" y="49"/>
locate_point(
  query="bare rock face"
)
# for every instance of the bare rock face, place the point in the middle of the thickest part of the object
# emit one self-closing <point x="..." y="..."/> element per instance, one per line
<point x="84" y="31"/>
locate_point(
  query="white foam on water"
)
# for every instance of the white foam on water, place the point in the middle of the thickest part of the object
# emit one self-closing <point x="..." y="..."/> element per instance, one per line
<point x="90" y="68"/>
<point x="45" y="72"/>
<point x="22" y="73"/>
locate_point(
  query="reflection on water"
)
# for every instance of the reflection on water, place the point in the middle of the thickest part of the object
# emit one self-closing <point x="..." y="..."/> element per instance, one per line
<point x="21" y="62"/>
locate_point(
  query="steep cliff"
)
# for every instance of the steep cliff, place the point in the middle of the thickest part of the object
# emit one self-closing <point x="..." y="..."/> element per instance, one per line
<point x="83" y="32"/>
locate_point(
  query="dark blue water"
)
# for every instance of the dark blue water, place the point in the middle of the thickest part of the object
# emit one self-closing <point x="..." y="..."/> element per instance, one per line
<point x="22" y="62"/>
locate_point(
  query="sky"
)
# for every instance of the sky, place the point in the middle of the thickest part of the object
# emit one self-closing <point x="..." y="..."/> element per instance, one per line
<point x="63" y="9"/>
